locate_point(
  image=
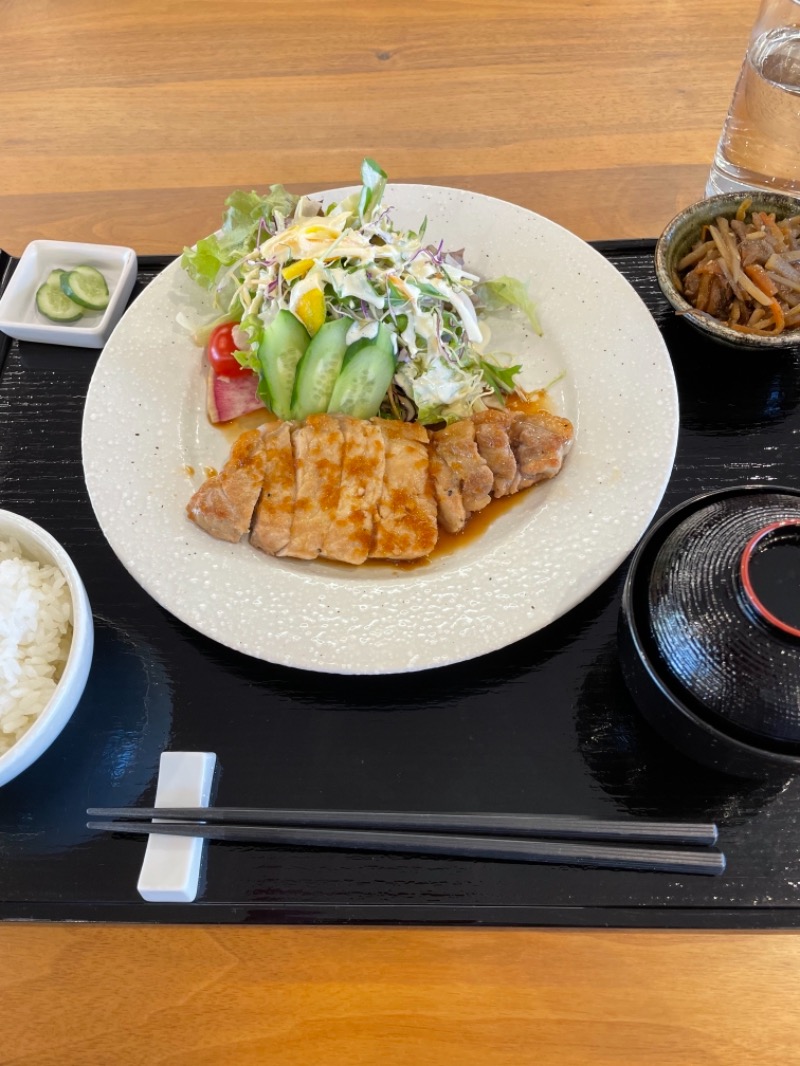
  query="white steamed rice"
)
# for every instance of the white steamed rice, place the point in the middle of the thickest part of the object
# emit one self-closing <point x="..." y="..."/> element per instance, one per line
<point x="35" y="634"/>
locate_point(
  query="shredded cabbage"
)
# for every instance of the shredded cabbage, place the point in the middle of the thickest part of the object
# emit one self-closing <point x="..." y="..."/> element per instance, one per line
<point x="281" y="252"/>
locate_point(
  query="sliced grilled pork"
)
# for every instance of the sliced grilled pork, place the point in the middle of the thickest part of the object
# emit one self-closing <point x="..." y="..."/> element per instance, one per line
<point x="273" y="517"/>
<point x="458" y="468"/>
<point x="350" y="490"/>
<point x="318" y="448"/>
<point x="491" y="436"/>
<point x="223" y="506"/>
<point x="539" y="442"/>
<point x="350" y="534"/>
<point x="405" y="522"/>
<point x="451" y="512"/>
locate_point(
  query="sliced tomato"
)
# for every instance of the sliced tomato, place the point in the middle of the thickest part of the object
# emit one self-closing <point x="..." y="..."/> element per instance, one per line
<point x="221" y="347"/>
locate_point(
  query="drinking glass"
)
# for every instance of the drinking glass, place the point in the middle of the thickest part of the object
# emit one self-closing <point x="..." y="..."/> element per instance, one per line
<point x="760" y="143"/>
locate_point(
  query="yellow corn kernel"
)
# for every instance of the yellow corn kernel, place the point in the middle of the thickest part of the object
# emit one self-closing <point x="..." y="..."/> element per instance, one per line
<point x="311" y="310"/>
<point x="298" y="269"/>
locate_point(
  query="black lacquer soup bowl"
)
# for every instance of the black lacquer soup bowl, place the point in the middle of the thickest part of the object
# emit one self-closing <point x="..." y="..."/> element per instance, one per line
<point x="709" y="629"/>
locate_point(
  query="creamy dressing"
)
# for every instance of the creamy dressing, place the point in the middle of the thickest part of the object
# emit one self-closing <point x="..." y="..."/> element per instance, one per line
<point x="377" y="274"/>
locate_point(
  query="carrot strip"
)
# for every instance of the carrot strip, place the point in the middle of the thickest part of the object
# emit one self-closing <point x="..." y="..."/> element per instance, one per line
<point x="759" y="275"/>
<point x="752" y="329"/>
<point x="777" y="312"/>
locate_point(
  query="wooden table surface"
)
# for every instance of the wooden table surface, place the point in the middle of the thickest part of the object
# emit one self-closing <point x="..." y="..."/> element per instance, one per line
<point x="129" y="123"/>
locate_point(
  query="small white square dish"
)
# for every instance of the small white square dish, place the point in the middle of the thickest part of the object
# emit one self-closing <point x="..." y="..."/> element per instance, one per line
<point x="19" y="315"/>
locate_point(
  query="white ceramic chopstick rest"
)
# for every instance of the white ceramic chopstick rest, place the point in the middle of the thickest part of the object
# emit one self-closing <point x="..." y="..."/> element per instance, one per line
<point x="171" y="867"/>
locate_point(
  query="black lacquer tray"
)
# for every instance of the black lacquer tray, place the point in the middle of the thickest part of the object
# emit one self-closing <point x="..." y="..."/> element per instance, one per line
<point x="545" y="725"/>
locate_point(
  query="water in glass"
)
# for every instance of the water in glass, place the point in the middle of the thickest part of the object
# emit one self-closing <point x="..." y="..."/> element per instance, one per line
<point x="760" y="143"/>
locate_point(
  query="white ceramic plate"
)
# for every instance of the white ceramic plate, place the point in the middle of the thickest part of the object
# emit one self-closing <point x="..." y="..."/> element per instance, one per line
<point x="145" y="431"/>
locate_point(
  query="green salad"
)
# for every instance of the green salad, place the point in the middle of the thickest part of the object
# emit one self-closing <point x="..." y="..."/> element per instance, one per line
<point x="339" y="310"/>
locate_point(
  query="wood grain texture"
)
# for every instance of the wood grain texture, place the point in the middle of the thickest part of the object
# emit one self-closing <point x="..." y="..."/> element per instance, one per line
<point x="129" y="123"/>
<point x="202" y="997"/>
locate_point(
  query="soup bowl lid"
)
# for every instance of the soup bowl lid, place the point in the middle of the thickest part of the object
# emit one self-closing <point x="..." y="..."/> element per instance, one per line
<point x="718" y="611"/>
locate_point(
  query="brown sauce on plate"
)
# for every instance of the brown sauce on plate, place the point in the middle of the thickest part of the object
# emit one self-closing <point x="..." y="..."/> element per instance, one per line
<point x="447" y="543"/>
<point x="531" y="403"/>
<point x="237" y="426"/>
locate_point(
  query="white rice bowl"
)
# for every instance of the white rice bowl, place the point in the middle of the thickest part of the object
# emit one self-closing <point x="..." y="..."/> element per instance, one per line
<point x="46" y="642"/>
<point x="35" y="637"/>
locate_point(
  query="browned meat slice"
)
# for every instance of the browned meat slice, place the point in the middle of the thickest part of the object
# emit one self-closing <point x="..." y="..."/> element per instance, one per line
<point x="491" y="436"/>
<point x="456" y="444"/>
<point x="540" y="441"/>
<point x="318" y="447"/>
<point x="451" y="512"/>
<point x="405" y="523"/>
<point x="691" y="286"/>
<point x="273" y="521"/>
<point x="720" y="297"/>
<point x="458" y="468"/>
<point x="350" y="534"/>
<point x="755" y="251"/>
<point x="351" y="490"/>
<point x="223" y="506"/>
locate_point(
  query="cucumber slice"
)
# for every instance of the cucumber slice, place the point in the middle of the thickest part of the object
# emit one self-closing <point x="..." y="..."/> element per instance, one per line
<point x="57" y="306"/>
<point x="319" y="368"/>
<point x="383" y="339"/>
<point x="362" y="385"/>
<point x="282" y="347"/>
<point x="54" y="278"/>
<point x="86" y="286"/>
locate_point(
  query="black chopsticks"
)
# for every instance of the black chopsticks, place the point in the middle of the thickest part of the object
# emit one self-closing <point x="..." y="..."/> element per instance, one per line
<point x="510" y="837"/>
<point x="565" y="827"/>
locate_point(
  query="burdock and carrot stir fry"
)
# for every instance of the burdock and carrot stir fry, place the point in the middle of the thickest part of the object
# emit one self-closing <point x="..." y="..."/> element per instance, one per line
<point x="745" y="271"/>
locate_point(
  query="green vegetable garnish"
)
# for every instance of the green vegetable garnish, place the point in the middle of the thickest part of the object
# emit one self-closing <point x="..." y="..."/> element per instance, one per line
<point x="508" y="292"/>
<point x="500" y="378"/>
<point x="246" y="216"/>
<point x="282" y="347"/>
<point x="338" y="305"/>
<point x="373" y="182"/>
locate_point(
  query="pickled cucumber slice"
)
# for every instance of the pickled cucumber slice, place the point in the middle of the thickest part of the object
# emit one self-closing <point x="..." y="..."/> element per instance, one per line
<point x="86" y="286"/>
<point x="54" y="278"/>
<point x="56" y="305"/>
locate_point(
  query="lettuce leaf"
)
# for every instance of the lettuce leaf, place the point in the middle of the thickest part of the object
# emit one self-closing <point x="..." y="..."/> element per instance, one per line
<point x="508" y="292"/>
<point x="202" y="262"/>
<point x="244" y="214"/>
<point x="500" y="378"/>
<point x="373" y="181"/>
<point x="253" y="326"/>
<point x="203" y="332"/>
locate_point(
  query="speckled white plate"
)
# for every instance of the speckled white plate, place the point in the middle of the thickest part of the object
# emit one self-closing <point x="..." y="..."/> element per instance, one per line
<point x="145" y="431"/>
